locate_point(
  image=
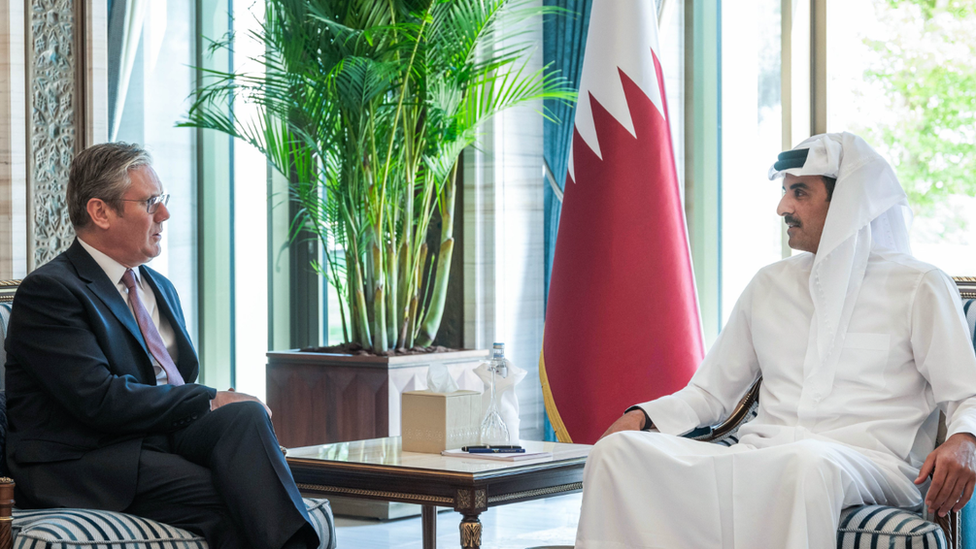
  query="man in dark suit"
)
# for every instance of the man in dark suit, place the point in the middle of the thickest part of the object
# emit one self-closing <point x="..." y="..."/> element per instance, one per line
<point x="102" y="409"/>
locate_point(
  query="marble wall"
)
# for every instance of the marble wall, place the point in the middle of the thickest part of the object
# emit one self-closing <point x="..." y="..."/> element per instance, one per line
<point x="13" y="141"/>
<point x="51" y="52"/>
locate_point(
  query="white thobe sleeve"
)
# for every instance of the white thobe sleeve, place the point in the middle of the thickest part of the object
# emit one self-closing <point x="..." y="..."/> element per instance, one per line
<point x="943" y="350"/>
<point x="726" y="373"/>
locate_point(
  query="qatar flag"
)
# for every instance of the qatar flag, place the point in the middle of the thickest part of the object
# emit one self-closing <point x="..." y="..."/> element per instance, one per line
<point x="622" y="323"/>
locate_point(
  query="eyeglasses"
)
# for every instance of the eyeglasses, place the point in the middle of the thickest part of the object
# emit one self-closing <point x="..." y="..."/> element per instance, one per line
<point x="152" y="203"/>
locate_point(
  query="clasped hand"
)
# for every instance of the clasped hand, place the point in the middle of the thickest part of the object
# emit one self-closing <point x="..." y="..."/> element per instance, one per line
<point x="953" y="469"/>
<point x="223" y="398"/>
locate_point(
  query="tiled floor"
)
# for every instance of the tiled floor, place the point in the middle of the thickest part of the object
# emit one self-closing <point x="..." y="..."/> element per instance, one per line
<point x="549" y="521"/>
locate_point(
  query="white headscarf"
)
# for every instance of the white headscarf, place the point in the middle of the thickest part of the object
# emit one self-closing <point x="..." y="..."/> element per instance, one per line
<point x="868" y="208"/>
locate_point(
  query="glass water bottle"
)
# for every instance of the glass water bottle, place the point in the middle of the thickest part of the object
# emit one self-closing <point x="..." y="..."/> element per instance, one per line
<point x="493" y="429"/>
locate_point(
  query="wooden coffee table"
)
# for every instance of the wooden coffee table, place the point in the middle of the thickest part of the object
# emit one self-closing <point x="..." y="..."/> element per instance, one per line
<point x="379" y="469"/>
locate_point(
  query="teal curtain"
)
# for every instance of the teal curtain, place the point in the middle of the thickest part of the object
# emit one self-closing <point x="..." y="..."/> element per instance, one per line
<point x="564" y="38"/>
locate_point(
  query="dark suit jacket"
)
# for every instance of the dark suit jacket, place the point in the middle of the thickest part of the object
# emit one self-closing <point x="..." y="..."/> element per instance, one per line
<point x="81" y="391"/>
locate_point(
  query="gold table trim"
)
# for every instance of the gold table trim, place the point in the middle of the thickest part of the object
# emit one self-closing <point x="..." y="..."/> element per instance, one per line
<point x="338" y="490"/>
<point x="552" y="490"/>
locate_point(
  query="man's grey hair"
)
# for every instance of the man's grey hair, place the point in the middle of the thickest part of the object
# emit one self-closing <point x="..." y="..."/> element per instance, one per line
<point x="102" y="171"/>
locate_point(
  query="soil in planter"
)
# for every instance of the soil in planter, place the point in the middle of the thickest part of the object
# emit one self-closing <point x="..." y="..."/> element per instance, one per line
<point x="358" y="350"/>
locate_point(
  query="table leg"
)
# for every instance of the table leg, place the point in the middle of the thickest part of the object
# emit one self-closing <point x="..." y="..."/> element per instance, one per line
<point x="471" y="531"/>
<point x="428" y="518"/>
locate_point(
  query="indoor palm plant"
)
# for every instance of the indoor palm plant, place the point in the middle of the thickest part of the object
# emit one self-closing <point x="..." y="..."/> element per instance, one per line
<point x="366" y="105"/>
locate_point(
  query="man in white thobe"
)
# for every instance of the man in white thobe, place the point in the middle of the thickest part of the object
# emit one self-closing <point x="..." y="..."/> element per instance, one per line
<point x="859" y="345"/>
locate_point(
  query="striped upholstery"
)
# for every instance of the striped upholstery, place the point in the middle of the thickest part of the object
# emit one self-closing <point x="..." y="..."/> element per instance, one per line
<point x="320" y="512"/>
<point x="43" y="528"/>
<point x="872" y="526"/>
<point x="4" y="318"/>
<point x="91" y="529"/>
<point x="969" y="309"/>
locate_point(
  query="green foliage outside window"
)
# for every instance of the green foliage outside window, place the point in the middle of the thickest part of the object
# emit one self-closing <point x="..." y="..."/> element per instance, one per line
<point x="926" y="66"/>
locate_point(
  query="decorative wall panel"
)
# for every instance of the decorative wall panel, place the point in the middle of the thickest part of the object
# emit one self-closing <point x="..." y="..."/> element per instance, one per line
<point x="54" y="119"/>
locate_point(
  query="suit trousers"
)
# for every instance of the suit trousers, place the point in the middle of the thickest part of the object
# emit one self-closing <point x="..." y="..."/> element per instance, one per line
<point x="225" y="478"/>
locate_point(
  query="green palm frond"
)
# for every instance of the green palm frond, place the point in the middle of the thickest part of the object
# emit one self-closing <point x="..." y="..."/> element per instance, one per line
<point x="365" y="106"/>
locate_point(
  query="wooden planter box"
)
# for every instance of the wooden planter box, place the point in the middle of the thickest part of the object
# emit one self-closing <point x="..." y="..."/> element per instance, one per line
<point x="318" y="398"/>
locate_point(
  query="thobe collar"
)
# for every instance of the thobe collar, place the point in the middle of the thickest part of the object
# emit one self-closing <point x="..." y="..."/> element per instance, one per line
<point x="868" y="210"/>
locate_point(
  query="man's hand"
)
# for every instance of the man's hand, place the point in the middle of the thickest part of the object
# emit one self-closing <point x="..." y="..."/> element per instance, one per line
<point x="953" y="469"/>
<point x="229" y="396"/>
<point x="631" y="421"/>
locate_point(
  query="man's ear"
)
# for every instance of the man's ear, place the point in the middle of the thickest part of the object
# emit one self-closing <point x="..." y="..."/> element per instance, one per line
<point x="100" y="212"/>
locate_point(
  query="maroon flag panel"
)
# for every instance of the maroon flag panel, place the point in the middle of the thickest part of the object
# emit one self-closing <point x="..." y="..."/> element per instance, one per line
<point x="622" y="323"/>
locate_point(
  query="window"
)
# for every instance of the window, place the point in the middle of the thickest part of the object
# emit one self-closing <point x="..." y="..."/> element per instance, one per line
<point x="900" y="74"/>
<point x="151" y="54"/>
<point x="250" y="205"/>
<point x="751" y="137"/>
<point x="215" y="245"/>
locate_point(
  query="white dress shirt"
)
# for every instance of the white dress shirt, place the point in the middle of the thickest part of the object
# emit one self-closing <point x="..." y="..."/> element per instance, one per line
<point x="115" y="270"/>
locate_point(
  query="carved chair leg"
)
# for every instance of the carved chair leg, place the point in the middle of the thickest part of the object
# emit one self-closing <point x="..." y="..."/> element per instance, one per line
<point x="6" y="512"/>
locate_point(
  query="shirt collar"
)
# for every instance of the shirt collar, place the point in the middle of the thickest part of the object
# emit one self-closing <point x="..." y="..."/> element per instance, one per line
<point x="113" y="269"/>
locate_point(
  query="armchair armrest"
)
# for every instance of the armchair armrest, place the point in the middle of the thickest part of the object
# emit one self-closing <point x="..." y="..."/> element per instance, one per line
<point x="738" y="415"/>
<point x="951" y="524"/>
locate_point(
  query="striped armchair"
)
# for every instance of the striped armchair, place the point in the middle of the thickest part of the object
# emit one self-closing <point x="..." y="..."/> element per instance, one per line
<point x="90" y="528"/>
<point x="871" y="526"/>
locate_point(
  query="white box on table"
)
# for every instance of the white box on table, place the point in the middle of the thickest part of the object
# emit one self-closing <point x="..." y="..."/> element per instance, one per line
<point x="434" y="422"/>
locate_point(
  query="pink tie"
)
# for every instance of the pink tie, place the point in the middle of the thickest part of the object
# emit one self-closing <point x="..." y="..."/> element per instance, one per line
<point x="149" y="332"/>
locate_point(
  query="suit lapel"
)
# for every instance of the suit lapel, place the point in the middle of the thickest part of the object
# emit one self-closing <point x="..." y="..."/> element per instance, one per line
<point x="105" y="289"/>
<point x="167" y="303"/>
